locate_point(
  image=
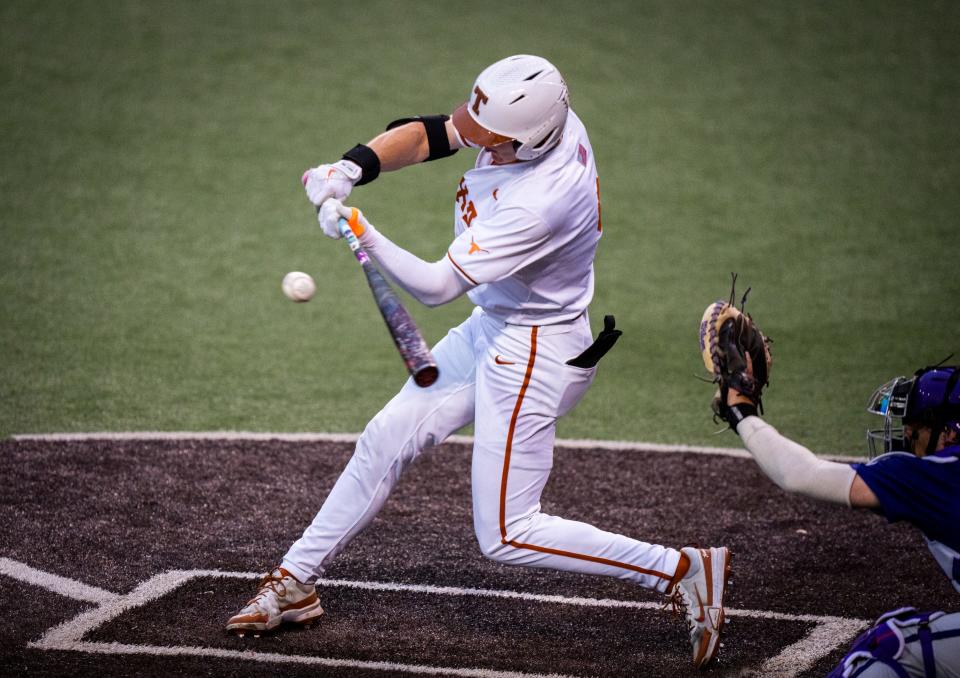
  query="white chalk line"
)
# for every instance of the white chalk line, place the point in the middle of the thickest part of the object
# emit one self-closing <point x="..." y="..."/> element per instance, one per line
<point x="52" y="582"/>
<point x="821" y="641"/>
<point x="275" y="658"/>
<point x="828" y="633"/>
<point x="559" y="444"/>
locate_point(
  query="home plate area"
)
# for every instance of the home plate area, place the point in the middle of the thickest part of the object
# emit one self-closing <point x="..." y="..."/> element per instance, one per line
<point x="125" y="557"/>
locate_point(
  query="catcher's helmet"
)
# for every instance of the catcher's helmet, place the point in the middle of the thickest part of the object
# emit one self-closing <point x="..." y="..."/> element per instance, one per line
<point x="930" y="398"/>
<point x="522" y="99"/>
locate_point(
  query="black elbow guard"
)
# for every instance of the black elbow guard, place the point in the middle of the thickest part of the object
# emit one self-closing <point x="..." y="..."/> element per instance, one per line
<point x="436" y="129"/>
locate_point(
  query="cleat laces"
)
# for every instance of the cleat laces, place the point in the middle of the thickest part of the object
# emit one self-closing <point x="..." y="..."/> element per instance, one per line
<point x="270" y="582"/>
<point x="677" y="602"/>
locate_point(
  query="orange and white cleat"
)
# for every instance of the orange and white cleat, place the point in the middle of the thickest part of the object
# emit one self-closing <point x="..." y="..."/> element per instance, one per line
<point x="699" y="596"/>
<point x="281" y="598"/>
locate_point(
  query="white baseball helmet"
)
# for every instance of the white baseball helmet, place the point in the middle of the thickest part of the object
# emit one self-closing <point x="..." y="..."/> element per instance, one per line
<point x="521" y="98"/>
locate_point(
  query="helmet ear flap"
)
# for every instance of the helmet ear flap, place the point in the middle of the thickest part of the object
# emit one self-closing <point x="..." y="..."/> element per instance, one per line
<point x="534" y="149"/>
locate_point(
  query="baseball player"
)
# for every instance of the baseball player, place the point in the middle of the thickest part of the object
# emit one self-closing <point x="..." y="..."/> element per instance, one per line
<point x="913" y="475"/>
<point x="526" y="228"/>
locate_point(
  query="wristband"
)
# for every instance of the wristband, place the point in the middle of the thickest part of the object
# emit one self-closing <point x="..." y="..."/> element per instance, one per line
<point x="734" y="414"/>
<point x="367" y="159"/>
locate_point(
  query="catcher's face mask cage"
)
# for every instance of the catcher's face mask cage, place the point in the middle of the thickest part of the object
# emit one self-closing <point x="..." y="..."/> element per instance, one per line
<point x="890" y="402"/>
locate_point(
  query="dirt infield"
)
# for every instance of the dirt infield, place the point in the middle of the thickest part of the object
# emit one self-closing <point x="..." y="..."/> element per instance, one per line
<point x="91" y="521"/>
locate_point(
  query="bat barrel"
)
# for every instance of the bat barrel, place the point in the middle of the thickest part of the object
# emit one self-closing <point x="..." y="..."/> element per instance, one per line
<point x="410" y="343"/>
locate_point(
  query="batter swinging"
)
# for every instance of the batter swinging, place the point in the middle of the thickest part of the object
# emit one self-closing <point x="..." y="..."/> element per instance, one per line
<point x="527" y="224"/>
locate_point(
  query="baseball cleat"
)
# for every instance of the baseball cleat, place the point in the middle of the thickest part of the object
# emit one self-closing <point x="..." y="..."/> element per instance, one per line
<point x="699" y="596"/>
<point x="281" y="598"/>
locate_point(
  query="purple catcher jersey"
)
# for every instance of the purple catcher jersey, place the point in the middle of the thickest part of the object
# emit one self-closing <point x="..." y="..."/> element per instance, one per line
<point x="924" y="491"/>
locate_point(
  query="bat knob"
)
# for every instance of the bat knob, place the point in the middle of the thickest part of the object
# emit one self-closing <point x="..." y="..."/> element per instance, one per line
<point x="426" y="376"/>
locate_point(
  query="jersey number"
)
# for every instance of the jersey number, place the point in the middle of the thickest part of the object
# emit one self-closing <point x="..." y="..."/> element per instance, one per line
<point x="467" y="210"/>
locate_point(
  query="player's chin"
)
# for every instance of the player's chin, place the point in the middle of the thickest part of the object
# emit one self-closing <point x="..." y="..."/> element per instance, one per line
<point x="499" y="159"/>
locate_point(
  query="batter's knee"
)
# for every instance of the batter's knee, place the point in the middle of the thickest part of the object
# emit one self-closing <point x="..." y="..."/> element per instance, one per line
<point x="377" y="453"/>
<point x="492" y="543"/>
<point x="495" y="549"/>
<point x="488" y="537"/>
<point x="390" y="431"/>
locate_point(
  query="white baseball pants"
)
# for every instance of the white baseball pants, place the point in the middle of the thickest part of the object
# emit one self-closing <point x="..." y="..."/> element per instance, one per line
<point x="513" y="382"/>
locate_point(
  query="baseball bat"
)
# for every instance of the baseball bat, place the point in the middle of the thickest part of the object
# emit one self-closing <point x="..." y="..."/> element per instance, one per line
<point x="410" y="343"/>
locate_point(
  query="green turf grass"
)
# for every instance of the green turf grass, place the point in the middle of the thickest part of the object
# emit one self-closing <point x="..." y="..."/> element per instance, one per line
<point x="150" y="203"/>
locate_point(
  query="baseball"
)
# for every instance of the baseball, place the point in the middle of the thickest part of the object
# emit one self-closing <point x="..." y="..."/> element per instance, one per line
<point x="298" y="286"/>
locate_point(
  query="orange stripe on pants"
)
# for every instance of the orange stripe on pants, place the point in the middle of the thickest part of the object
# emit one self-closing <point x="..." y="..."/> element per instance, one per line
<point x="506" y="471"/>
<point x="510" y="432"/>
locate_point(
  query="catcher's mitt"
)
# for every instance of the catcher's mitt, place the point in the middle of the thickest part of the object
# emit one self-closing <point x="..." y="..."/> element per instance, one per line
<point x="737" y="354"/>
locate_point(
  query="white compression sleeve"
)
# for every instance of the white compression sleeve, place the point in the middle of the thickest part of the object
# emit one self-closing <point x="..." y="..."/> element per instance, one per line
<point x="792" y="466"/>
<point x="430" y="284"/>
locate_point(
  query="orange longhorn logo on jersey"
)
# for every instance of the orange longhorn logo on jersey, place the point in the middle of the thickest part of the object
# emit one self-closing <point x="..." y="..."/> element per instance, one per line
<point x="474" y="247"/>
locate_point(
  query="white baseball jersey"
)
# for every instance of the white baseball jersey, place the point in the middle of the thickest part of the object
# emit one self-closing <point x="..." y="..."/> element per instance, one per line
<point x="526" y="233"/>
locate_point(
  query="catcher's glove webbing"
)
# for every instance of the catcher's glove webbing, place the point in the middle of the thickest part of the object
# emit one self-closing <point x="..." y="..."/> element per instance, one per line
<point x="737" y="353"/>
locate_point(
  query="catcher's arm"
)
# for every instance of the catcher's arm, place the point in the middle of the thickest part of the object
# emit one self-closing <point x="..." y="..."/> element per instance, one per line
<point x="737" y="353"/>
<point x="794" y="468"/>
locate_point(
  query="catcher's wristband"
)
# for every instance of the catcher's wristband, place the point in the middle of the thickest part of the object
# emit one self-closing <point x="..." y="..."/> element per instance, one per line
<point x="368" y="160"/>
<point x="734" y="414"/>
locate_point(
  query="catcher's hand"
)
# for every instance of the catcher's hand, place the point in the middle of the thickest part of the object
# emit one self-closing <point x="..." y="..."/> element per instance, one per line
<point x="737" y="354"/>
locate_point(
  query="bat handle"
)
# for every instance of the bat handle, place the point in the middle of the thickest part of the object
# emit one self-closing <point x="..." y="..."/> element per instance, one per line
<point x="347" y="232"/>
<point x="351" y="239"/>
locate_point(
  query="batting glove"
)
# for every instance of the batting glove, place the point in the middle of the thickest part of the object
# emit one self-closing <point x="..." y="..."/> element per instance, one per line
<point x="331" y="181"/>
<point x="332" y="210"/>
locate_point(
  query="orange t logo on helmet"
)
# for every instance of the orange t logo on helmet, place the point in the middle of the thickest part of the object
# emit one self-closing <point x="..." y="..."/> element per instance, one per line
<point x="481" y="99"/>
